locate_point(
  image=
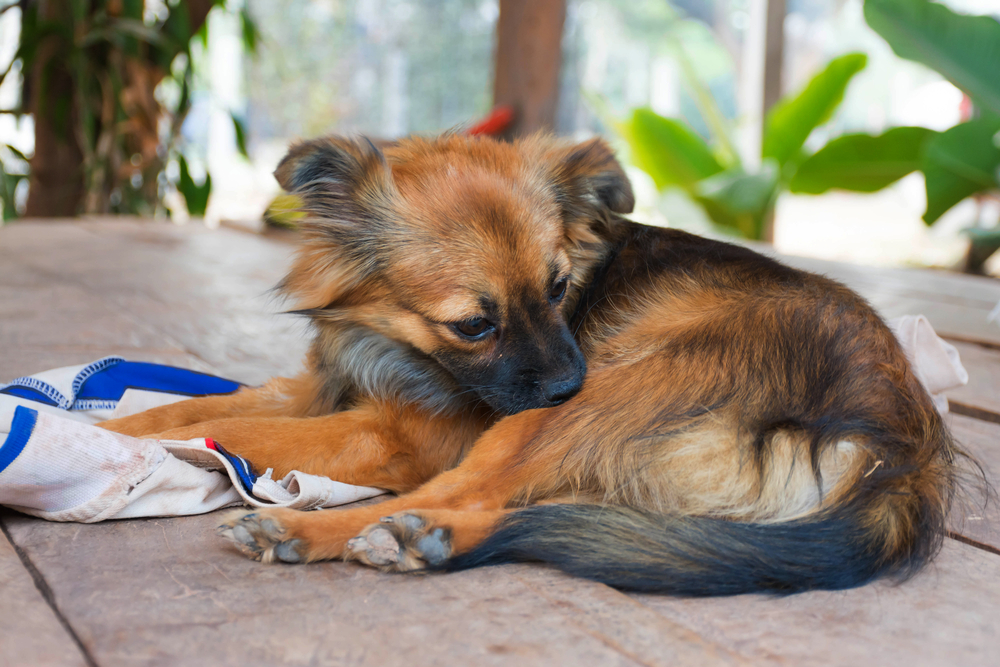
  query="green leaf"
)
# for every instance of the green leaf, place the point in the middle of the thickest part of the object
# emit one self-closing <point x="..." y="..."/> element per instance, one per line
<point x="740" y="201"/>
<point x="861" y="162"/>
<point x="959" y="163"/>
<point x="17" y="153"/>
<point x="666" y="149"/>
<point x="964" y="49"/>
<point x="8" y="188"/>
<point x="241" y="135"/>
<point x="792" y="120"/>
<point x="251" y="33"/>
<point x="195" y="196"/>
<point x="285" y="210"/>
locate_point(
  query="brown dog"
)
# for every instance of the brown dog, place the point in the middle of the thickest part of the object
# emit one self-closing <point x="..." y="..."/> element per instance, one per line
<point x="541" y="379"/>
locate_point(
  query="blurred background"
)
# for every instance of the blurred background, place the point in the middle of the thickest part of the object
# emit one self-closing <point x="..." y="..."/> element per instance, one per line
<point x="841" y="129"/>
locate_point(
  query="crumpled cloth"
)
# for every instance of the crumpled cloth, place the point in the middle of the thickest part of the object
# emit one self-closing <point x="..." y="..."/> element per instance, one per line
<point x="56" y="465"/>
<point x="934" y="361"/>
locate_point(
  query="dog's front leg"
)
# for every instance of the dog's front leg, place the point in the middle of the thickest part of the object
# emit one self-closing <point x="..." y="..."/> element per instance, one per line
<point x="464" y="503"/>
<point x="286" y="397"/>
<point x="391" y="447"/>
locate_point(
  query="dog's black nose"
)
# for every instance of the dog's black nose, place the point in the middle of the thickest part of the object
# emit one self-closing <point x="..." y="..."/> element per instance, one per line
<point x="560" y="391"/>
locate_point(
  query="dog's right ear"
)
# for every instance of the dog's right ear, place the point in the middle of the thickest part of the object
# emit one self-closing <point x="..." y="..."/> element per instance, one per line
<point x="347" y="191"/>
<point x="337" y="177"/>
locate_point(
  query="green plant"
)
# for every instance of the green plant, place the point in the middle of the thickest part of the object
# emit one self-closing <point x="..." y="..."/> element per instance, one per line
<point x="957" y="163"/>
<point x="735" y="198"/>
<point x="13" y="170"/>
<point x="104" y="132"/>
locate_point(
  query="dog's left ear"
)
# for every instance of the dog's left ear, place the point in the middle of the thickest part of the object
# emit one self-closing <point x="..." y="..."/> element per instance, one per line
<point x="589" y="174"/>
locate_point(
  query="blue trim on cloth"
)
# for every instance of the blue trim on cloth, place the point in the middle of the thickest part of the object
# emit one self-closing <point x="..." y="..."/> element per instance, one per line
<point x="92" y="369"/>
<point x="52" y="396"/>
<point x="101" y="384"/>
<point x="110" y="383"/>
<point x="21" y="429"/>
<point x="29" y="395"/>
<point x="242" y="467"/>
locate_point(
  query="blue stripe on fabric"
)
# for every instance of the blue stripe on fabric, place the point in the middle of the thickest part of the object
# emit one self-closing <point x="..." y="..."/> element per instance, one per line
<point x="242" y="467"/>
<point x="28" y="394"/>
<point x="53" y="395"/>
<point x="110" y="383"/>
<point x="21" y="429"/>
<point x="92" y="369"/>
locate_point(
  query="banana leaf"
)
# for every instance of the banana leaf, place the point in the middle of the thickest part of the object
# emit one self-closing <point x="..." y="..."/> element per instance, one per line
<point x="740" y="201"/>
<point x="960" y="162"/>
<point x="793" y="119"/>
<point x="861" y="162"/>
<point x="963" y="49"/>
<point x="668" y="150"/>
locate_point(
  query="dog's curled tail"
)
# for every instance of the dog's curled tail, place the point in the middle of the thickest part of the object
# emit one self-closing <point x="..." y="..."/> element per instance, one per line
<point x="891" y="526"/>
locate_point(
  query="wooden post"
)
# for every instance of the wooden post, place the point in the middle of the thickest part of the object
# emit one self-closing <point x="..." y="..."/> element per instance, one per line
<point x="760" y="82"/>
<point x="774" y="51"/>
<point x="528" y="59"/>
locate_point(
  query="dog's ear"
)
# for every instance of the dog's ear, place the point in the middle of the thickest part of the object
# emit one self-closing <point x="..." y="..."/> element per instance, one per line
<point x="347" y="191"/>
<point x="336" y="177"/>
<point x="589" y="174"/>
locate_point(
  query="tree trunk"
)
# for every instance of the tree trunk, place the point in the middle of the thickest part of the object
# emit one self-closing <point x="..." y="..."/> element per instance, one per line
<point x="528" y="59"/>
<point x="56" y="183"/>
<point x="56" y="175"/>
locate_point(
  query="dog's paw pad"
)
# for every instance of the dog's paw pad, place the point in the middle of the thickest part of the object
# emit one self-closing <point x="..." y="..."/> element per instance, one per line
<point x="402" y="542"/>
<point x="435" y="547"/>
<point x="375" y="547"/>
<point x="262" y="538"/>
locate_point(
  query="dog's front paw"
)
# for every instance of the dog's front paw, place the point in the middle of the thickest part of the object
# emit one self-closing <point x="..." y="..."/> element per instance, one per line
<point x="262" y="535"/>
<point x="403" y="542"/>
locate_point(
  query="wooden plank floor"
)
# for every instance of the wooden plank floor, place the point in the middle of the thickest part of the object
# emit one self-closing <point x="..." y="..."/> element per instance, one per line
<point x="167" y="591"/>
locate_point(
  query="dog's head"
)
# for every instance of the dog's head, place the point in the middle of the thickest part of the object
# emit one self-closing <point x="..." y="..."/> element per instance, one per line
<point x="470" y="250"/>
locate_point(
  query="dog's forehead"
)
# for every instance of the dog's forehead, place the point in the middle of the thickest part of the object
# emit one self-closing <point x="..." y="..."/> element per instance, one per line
<point x="478" y="238"/>
<point x="507" y="214"/>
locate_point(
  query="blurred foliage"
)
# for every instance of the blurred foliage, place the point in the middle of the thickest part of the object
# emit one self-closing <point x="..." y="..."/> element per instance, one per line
<point x="119" y="54"/>
<point x="13" y="170"/>
<point x="285" y="210"/>
<point x="957" y="163"/>
<point x="737" y="199"/>
<point x="383" y="68"/>
<point x="195" y="194"/>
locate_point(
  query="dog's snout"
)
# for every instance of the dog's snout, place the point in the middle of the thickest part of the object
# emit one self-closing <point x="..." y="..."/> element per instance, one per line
<point x="560" y="391"/>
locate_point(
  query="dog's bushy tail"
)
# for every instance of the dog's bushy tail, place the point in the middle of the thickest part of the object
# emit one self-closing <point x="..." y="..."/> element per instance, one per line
<point x="636" y="550"/>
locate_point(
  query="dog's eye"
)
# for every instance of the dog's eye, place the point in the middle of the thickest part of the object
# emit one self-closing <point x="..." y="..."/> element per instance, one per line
<point x="558" y="290"/>
<point x="475" y="328"/>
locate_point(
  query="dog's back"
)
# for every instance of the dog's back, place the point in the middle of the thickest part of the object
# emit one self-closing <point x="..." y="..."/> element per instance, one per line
<point x="762" y="430"/>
